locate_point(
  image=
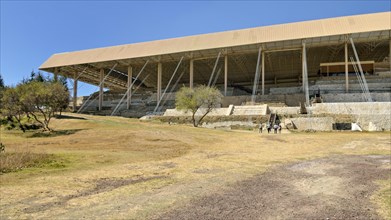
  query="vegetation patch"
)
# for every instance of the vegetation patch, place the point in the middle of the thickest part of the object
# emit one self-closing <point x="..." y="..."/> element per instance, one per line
<point x="54" y="133"/>
<point x="383" y="199"/>
<point x="15" y="161"/>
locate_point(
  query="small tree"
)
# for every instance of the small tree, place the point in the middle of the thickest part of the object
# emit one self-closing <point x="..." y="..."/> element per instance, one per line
<point x="41" y="100"/>
<point x="201" y="98"/>
<point x="11" y="107"/>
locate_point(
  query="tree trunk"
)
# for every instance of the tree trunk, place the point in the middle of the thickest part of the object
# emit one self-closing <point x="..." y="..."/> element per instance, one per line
<point x="193" y="119"/>
<point x="202" y="117"/>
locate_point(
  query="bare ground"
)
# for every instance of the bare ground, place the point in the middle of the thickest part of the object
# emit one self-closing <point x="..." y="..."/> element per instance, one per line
<point x="337" y="187"/>
<point x="115" y="168"/>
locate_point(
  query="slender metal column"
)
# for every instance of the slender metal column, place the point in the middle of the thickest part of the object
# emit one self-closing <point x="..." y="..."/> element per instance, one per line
<point x="159" y="81"/>
<point x="129" y="92"/>
<point x="85" y="105"/>
<point x="389" y="56"/>
<point x="191" y="73"/>
<point x="74" y="93"/>
<point x="302" y="68"/>
<point x="56" y="74"/>
<point x="346" y="68"/>
<point x="214" y="69"/>
<point x="123" y="97"/>
<point x="168" y="84"/>
<point x="305" y="75"/>
<point x="256" y="77"/>
<point x="225" y="74"/>
<point x="361" y="71"/>
<point x="263" y="73"/>
<point x="102" y="73"/>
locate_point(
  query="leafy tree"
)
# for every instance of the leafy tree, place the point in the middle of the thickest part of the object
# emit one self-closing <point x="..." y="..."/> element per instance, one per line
<point x="1" y="82"/>
<point x="40" y="77"/>
<point x="39" y="100"/>
<point x="12" y="107"/>
<point x="201" y="98"/>
<point x="2" y="88"/>
<point x="35" y="77"/>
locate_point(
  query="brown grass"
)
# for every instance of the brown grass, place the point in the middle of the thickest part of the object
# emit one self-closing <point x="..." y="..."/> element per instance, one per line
<point x="15" y="161"/>
<point x="164" y="165"/>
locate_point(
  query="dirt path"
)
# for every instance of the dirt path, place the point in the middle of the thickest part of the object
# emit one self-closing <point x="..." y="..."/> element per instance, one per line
<point x="337" y="187"/>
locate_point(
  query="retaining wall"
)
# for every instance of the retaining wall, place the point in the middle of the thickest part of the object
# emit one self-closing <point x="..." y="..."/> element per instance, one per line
<point x="351" y="108"/>
<point x="200" y="112"/>
<point x="355" y="97"/>
<point x="250" y="110"/>
<point x="228" y="124"/>
<point x="231" y="110"/>
<point x="313" y="123"/>
<point x="285" y="110"/>
<point x="374" y="122"/>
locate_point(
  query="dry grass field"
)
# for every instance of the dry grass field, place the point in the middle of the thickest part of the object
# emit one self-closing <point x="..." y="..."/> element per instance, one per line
<point x="117" y="168"/>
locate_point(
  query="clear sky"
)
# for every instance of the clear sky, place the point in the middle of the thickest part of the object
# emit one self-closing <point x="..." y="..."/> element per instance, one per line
<point x="31" y="31"/>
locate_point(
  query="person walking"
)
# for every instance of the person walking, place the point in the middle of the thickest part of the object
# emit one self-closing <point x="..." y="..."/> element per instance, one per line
<point x="275" y="128"/>
<point x="279" y="128"/>
<point x="269" y="127"/>
<point x="260" y="128"/>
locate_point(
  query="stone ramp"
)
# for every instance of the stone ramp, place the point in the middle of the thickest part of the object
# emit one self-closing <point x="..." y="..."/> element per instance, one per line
<point x="250" y="110"/>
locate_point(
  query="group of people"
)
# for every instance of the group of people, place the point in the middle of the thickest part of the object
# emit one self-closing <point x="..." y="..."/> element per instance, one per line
<point x="269" y="127"/>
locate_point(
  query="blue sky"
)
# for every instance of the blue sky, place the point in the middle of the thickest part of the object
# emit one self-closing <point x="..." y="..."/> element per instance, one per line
<point x="31" y="31"/>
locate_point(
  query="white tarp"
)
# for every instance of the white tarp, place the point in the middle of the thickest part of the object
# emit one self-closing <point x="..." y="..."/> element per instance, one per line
<point x="356" y="127"/>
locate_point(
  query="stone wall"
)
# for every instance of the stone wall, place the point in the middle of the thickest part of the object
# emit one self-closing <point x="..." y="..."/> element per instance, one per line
<point x="377" y="84"/>
<point x="285" y="110"/>
<point x="250" y="110"/>
<point x="247" y="110"/>
<point x="355" y="97"/>
<point x="228" y="124"/>
<point x="313" y="123"/>
<point x="200" y="112"/>
<point x="377" y="122"/>
<point x="373" y="116"/>
<point x="288" y="99"/>
<point x="351" y="108"/>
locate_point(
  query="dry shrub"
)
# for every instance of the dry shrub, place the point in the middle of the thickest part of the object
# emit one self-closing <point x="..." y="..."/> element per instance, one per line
<point x="14" y="161"/>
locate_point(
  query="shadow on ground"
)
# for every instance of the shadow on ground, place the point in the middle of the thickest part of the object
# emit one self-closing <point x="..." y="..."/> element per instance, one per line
<point x="54" y="133"/>
<point x="69" y="117"/>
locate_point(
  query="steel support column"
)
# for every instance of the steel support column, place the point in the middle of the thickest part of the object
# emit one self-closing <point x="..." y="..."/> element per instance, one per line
<point x="214" y="69"/>
<point x="168" y="84"/>
<point x="102" y="73"/>
<point x="361" y="71"/>
<point x="129" y="91"/>
<point x="346" y="68"/>
<point x="191" y="73"/>
<point x="305" y="75"/>
<point x="225" y="74"/>
<point x="263" y="73"/>
<point x="159" y="81"/>
<point x="256" y="77"/>
<point x="74" y="93"/>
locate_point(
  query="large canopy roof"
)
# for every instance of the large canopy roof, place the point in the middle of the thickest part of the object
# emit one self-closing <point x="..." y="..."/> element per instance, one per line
<point x="282" y="45"/>
<point x="275" y="33"/>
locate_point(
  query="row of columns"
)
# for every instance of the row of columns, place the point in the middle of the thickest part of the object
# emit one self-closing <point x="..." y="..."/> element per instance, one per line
<point x="191" y="81"/>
